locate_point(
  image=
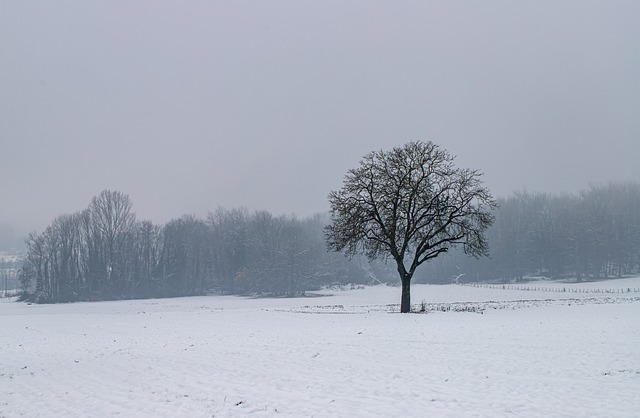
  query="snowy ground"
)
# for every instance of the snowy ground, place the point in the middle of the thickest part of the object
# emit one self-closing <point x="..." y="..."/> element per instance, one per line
<point x="519" y="353"/>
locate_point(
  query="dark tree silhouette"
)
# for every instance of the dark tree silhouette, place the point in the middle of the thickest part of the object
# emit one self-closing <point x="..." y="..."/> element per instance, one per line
<point x="411" y="204"/>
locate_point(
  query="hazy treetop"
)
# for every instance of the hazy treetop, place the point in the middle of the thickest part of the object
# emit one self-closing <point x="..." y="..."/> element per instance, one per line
<point x="186" y="106"/>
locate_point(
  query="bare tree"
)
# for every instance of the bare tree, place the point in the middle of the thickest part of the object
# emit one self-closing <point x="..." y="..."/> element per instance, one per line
<point x="411" y="204"/>
<point x="185" y="261"/>
<point x="147" y="252"/>
<point x="112" y="220"/>
<point x="277" y="251"/>
<point x="228" y="243"/>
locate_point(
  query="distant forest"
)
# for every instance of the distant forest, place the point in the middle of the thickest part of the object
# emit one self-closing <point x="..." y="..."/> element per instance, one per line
<point x="592" y="235"/>
<point x="105" y="252"/>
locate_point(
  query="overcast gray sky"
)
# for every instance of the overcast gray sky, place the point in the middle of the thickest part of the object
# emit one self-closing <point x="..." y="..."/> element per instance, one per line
<point x="191" y="105"/>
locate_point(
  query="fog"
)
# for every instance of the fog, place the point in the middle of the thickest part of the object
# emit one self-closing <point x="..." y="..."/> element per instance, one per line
<point x="193" y="105"/>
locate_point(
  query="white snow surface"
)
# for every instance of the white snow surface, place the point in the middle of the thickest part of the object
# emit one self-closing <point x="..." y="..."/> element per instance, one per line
<point x="521" y="353"/>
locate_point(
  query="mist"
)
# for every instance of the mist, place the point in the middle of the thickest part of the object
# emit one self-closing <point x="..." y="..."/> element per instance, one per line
<point x="267" y="105"/>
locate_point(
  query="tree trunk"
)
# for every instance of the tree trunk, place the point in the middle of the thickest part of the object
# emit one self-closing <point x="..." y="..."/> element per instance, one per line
<point x="405" y="305"/>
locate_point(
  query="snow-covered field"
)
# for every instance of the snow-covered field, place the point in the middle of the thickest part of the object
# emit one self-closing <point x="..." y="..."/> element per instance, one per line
<point x="519" y="353"/>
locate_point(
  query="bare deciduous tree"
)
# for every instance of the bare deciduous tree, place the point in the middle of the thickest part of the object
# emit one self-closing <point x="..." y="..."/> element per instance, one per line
<point x="411" y="204"/>
<point x="112" y="219"/>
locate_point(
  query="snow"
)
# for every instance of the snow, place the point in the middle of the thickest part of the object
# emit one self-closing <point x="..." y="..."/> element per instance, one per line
<point x="343" y="355"/>
<point x="12" y="257"/>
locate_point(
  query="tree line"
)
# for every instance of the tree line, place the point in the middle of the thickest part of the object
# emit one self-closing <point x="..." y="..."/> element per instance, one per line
<point x="589" y="235"/>
<point x="105" y="252"/>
